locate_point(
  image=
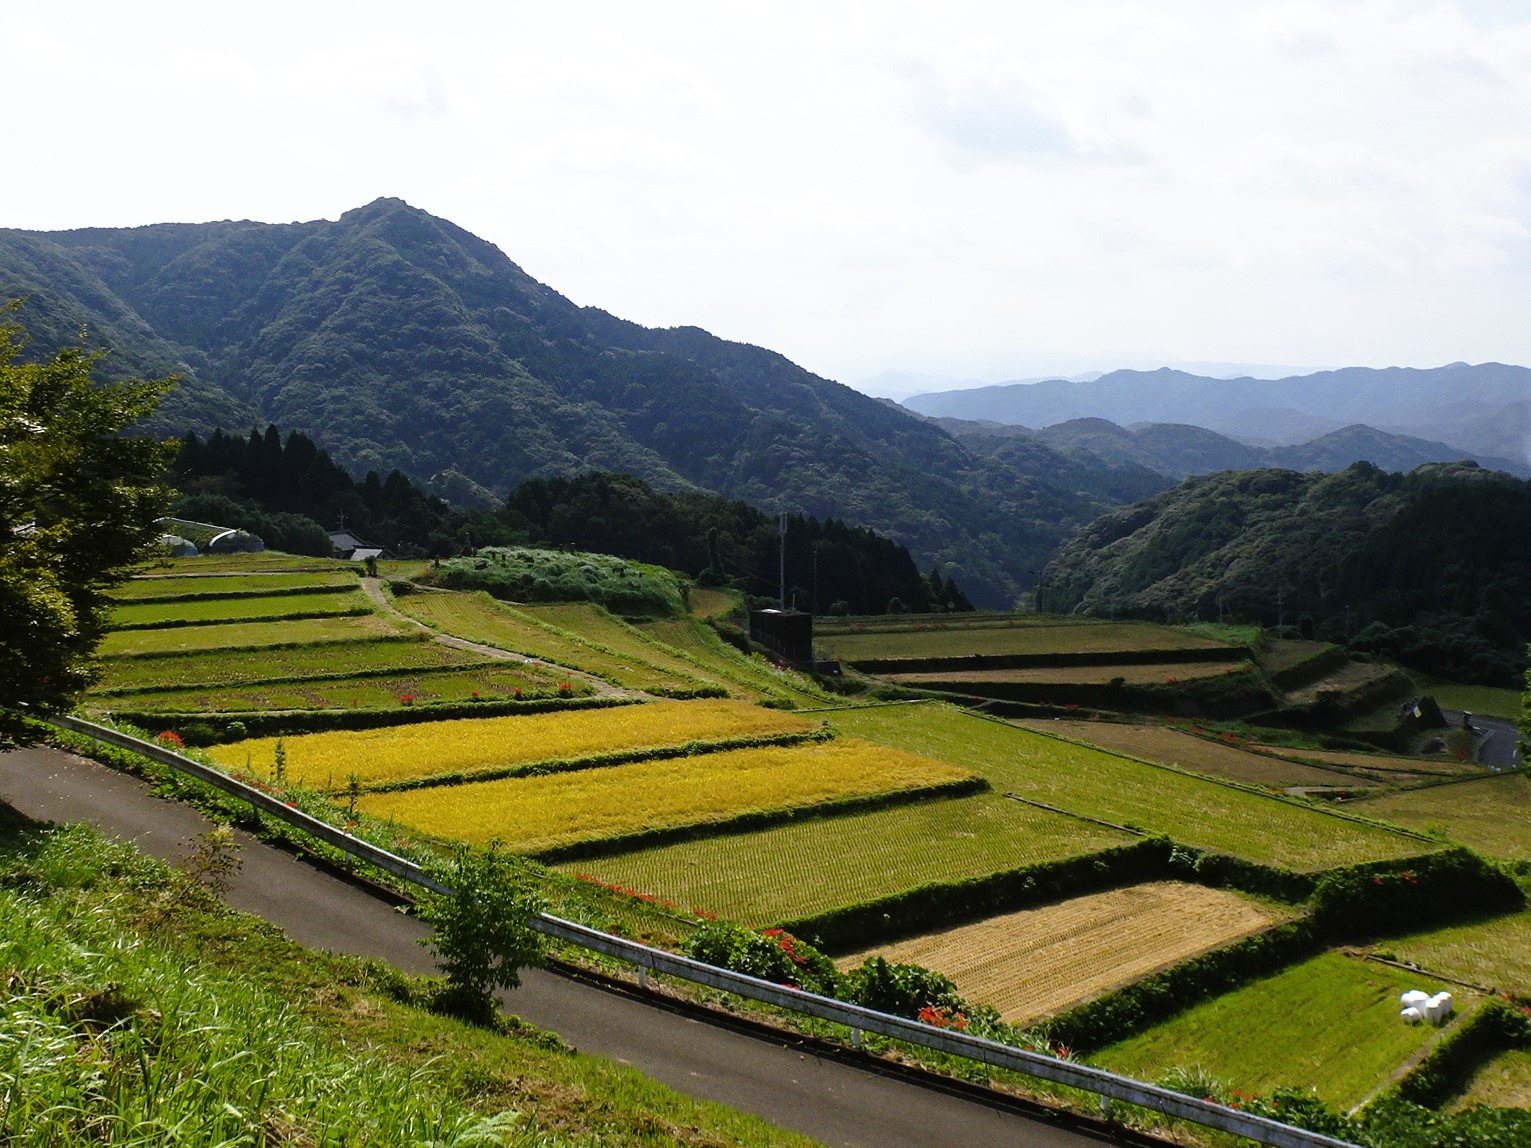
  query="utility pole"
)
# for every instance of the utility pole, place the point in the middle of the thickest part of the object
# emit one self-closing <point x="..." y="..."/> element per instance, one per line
<point x="782" y="531"/>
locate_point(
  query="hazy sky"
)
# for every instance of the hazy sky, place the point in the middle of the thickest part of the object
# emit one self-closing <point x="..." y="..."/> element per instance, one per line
<point x="990" y="190"/>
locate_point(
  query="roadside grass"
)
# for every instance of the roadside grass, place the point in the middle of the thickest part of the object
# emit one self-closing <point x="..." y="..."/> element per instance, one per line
<point x="1168" y="746"/>
<point x="305" y="631"/>
<point x="493" y="681"/>
<point x="468" y="745"/>
<point x="1052" y="636"/>
<point x="1193" y="811"/>
<point x="537" y="814"/>
<point x="137" y="1026"/>
<point x="807" y="868"/>
<point x="1039" y="961"/>
<point x="235" y="667"/>
<point x="1503" y="1082"/>
<point x="265" y="607"/>
<point x="1490" y="814"/>
<point x="230" y="585"/>
<point x="479" y="618"/>
<point x="1330" y="1024"/>
<point x="1494" y="953"/>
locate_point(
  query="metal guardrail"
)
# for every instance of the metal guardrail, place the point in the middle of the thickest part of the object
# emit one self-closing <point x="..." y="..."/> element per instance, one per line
<point x="1107" y="1085"/>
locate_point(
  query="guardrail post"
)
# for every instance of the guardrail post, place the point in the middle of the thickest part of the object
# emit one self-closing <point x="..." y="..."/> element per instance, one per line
<point x="643" y="976"/>
<point x="855" y="1038"/>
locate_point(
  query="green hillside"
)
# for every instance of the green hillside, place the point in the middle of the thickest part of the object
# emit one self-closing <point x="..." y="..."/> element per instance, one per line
<point x="1431" y="568"/>
<point x="396" y="339"/>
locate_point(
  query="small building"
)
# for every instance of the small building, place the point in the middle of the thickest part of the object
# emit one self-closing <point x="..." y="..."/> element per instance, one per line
<point x="786" y="633"/>
<point x="351" y="548"/>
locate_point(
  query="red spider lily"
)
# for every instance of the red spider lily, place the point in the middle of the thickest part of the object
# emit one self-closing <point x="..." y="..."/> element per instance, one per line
<point x="170" y="737"/>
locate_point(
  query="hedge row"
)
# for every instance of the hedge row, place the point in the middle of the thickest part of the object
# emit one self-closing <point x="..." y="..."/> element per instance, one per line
<point x="942" y="905"/>
<point x="210" y="729"/>
<point x="1156" y="998"/>
<point x="1314" y="666"/>
<point x="225" y="595"/>
<point x="1443" y="1073"/>
<point x="764" y="819"/>
<point x="1383" y="897"/>
<point x="1229" y="694"/>
<point x="694" y="748"/>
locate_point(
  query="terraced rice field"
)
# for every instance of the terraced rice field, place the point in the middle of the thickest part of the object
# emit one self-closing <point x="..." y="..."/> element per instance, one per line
<point x="174" y="586"/>
<point x="1391" y="768"/>
<point x="1189" y="751"/>
<point x="493" y="681"/>
<point x="1504" y="1082"/>
<point x="1491" y="815"/>
<point x="1330" y="1024"/>
<point x="318" y="603"/>
<point x="469" y="745"/>
<point x="1052" y="637"/>
<point x="745" y="677"/>
<point x="306" y="631"/>
<point x="264" y="562"/>
<point x="1082" y="780"/>
<point x="803" y="869"/>
<point x="530" y="814"/>
<point x="1037" y="962"/>
<point x="1495" y="953"/>
<point x="1140" y="675"/>
<point x="602" y="628"/>
<point x="235" y="667"/>
<point x="479" y="618"/>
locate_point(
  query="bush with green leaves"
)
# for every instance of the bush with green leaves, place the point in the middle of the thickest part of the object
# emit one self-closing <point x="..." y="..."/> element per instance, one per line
<point x="771" y="955"/>
<point x="482" y="931"/>
<point x="902" y="990"/>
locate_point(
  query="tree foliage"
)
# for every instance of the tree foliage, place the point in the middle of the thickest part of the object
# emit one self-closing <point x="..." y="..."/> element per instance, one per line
<point x="482" y="933"/>
<point x="78" y="501"/>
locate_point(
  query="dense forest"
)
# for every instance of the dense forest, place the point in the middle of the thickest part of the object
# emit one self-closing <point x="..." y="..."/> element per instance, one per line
<point x="398" y="341"/>
<point x="291" y="492"/>
<point x="1431" y="568"/>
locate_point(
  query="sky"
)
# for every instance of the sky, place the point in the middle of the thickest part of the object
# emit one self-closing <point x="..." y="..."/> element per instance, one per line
<point x="975" y="191"/>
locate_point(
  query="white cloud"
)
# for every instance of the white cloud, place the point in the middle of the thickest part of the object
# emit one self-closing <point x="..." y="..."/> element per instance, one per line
<point x="858" y="185"/>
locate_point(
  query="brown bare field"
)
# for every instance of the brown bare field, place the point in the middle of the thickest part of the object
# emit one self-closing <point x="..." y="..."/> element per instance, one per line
<point x="1140" y="675"/>
<point x="1036" y="962"/>
<point x="1171" y="747"/>
<point x="1388" y="767"/>
<point x="1349" y="677"/>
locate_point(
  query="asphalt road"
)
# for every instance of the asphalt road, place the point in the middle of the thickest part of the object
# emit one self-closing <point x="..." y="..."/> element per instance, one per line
<point x="789" y="1085"/>
<point x="1500" y="744"/>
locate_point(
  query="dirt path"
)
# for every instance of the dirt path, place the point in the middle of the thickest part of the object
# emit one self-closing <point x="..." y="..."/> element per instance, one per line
<point x="789" y="1083"/>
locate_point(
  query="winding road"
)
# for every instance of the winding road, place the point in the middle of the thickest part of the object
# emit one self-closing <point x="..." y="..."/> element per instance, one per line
<point x="835" y="1096"/>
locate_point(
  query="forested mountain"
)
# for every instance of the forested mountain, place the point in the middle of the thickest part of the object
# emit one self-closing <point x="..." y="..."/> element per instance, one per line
<point x="1177" y="450"/>
<point x="1482" y="411"/>
<point x="1432" y="568"/>
<point x="397" y="340"/>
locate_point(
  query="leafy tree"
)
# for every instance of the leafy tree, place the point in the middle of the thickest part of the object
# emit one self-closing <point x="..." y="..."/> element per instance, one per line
<point x="78" y="501"/>
<point x="482" y="932"/>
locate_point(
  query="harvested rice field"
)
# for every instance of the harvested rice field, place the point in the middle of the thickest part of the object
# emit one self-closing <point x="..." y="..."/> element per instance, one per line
<point x="1037" y="962"/>
<point x="1491" y="814"/>
<point x="1190" y="751"/>
<point x="1035" y="637"/>
<point x="306" y="631"/>
<point x="1503" y="1082"/>
<point x="1494" y="953"/>
<point x="1132" y="675"/>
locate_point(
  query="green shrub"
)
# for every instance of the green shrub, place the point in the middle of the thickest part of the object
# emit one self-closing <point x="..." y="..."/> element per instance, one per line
<point x="912" y="991"/>
<point x="771" y="954"/>
<point x="1378" y="899"/>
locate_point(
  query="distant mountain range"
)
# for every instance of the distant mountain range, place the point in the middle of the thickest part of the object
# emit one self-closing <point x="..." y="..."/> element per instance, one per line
<point x="1482" y="412"/>
<point x="1177" y="450"/>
